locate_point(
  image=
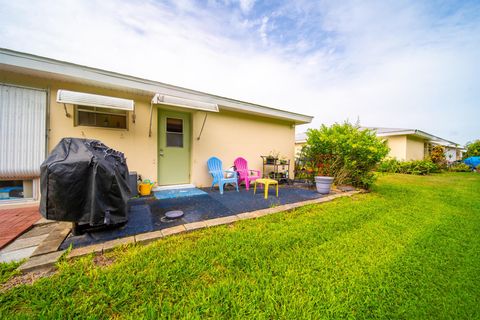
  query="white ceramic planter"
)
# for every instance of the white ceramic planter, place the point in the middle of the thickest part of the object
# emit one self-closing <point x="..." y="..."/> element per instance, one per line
<point x="323" y="184"/>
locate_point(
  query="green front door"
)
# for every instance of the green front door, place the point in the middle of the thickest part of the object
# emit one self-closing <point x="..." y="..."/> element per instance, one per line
<point x="173" y="147"/>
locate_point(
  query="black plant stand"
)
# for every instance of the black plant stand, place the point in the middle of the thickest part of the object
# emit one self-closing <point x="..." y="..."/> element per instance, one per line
<point x="280" y="169"/>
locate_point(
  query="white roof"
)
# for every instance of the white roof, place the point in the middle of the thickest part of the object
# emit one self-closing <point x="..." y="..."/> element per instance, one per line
<point x="41" y="66"/>
<point x="386" y="132"/>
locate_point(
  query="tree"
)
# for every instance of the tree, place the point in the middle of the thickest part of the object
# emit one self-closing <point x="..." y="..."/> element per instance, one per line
<point x="473" y="149"/>
<point x="438" y="156"/>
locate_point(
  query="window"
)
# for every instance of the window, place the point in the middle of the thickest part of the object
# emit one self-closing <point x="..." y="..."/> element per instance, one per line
<point x="16" y="189"/>
<point x="101" y="117"/>
<point x="174" y="133"/>
<point x="427" y="149"/>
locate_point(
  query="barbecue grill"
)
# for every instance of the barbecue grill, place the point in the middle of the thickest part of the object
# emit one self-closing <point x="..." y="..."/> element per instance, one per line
<point x="85" y="182"/>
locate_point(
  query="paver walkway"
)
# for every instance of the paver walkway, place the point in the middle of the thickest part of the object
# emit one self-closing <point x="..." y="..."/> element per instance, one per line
<point x="13" y="222"/>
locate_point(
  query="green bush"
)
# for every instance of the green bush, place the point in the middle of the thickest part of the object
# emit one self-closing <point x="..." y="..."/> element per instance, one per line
<point x="438" y="156"/>
<point x="418" y="167"/>
<point x="345" y="152"/>
<point x="460" y="167"/>
<point x="389" y="165"/>
<point x="473" y="149"/>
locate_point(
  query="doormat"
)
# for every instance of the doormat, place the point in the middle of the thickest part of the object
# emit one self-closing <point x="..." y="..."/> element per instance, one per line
<point x="178" y="193"/>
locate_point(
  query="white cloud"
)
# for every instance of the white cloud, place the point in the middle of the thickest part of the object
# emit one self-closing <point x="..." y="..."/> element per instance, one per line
<point x="263" y="30"/>
<point x="391" y="64"/>
<point x="246" y="5"/>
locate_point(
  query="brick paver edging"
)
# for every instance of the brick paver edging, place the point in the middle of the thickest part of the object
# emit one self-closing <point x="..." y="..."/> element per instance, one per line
<point x="48" y="260"/>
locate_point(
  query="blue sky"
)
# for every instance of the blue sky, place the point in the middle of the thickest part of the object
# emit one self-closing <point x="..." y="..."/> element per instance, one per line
<point x="406" y="64"/>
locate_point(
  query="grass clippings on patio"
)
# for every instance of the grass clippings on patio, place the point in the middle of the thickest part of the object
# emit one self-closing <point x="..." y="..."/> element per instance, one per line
<point x="408" y="250"/>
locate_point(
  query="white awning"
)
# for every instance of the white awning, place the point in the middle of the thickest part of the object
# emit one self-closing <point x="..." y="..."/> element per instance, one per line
<point x="184" y="103"/>
<point x="94" y="100"/>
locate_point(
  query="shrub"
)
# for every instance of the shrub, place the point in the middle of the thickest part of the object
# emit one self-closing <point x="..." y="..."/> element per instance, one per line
<point x="473" y="149"/>
<point x="389" y="165"/>
<point x="418" y="167"/>
<point x="460" y="167"/>
<point x="346" y="152"/>
<point x="437" y="156"/>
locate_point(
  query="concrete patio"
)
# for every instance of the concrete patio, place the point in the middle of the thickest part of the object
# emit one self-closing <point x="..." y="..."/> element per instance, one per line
<point x="47" y="241"/>
<point x="148" y="214"/>
<point x="47" y="260"/>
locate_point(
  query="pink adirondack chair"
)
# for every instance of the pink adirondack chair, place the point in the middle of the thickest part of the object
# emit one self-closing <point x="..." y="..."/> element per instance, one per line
<point x="244" y="174"/>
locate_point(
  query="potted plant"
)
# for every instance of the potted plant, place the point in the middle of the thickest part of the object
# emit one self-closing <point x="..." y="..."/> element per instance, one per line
<point x="324" y="173"/>
<point x="272" y="157"/>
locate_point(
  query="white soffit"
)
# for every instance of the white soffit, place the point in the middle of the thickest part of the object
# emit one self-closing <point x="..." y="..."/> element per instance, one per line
<point x="94" y="100"/>
<point x="184" y="103"/>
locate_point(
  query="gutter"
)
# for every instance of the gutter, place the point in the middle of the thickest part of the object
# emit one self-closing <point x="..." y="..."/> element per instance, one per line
<point x="435" y="138"/>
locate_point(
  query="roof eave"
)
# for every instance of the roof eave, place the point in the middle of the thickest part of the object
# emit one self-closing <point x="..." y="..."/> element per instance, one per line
<point x="99" y="76"/>
<point x="420" y="134"/>
<point x="396" y="133"/>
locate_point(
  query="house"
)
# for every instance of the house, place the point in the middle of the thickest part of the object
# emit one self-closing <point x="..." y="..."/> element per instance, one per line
<point x="414" y="144"/>
<point x="166" y="132"/>
<point x="405" y="144"/>
<point x="300" y="140"/>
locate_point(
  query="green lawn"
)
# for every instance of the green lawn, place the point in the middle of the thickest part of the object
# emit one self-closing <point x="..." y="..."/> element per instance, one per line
<point x="8" y="270"/>
<point x="409" y="250"/>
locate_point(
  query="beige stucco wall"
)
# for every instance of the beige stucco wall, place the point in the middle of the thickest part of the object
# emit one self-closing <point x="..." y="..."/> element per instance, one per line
<point x="398" y="147"/>
<point x="415" y="148"/>
<point x="140" y="150"/>
<point x="298" y="148"/>
<point x="405" y="147"/>
<point x="225" y="135"/>
<point x="228" y="135"/>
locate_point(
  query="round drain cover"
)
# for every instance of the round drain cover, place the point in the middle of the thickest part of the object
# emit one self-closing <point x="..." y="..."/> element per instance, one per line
<point x="174" y="214"/>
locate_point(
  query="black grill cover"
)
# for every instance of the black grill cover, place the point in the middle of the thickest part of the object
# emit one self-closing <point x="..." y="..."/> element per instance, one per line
<point x="86" y="182"/>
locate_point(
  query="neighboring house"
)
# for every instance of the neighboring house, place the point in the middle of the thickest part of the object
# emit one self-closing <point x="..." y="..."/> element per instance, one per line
<point x="166" y="132"/>
<point x="406" y="144"/>
<point x="414" y="144"/>
<point x="300" y="140"/>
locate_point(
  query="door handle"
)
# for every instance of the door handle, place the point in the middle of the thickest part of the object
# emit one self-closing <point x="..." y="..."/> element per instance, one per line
<point x="161" y="154"/>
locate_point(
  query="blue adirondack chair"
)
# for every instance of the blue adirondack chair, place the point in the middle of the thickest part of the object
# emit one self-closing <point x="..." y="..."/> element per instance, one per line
<point x="215" y="168"/>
